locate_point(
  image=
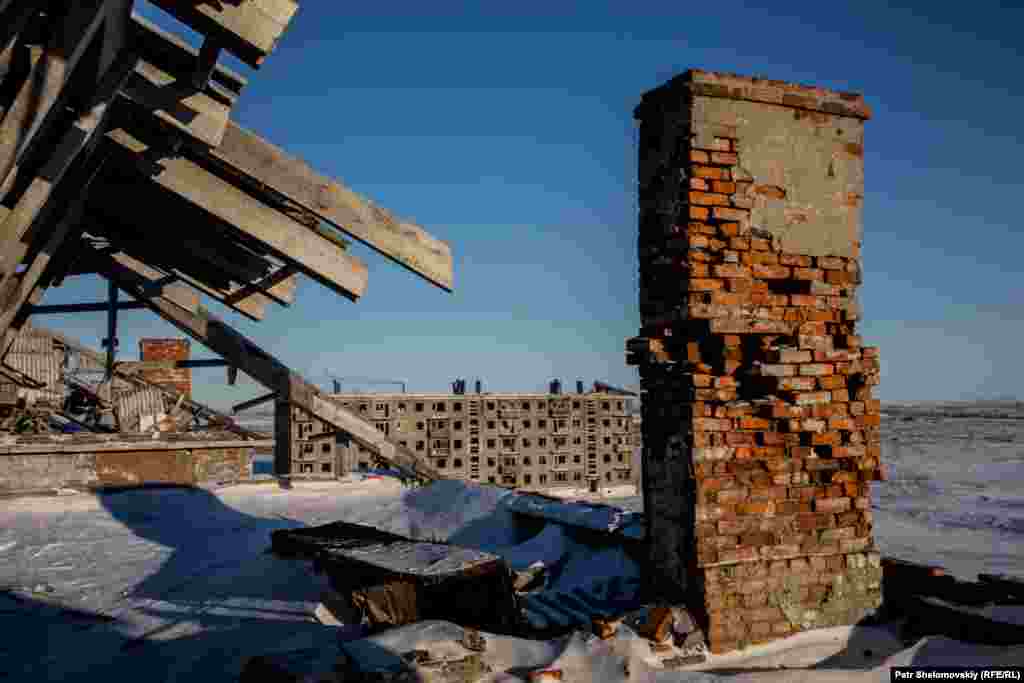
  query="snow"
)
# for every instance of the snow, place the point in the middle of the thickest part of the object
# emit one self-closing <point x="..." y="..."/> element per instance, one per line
<point x="173" y="584"/>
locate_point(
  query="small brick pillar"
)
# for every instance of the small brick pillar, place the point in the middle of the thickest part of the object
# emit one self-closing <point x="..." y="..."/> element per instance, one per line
<point x="759" y="429"/>
<point x="177" y="379"/>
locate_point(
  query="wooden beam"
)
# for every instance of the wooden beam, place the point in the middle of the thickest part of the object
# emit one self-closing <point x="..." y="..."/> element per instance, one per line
<point x="266" y="165"/>
<point x="47" y="78"/>
<point x="253" y="402"/>
<point x="173" y="55"/>
<point x="282" y="438"/>
<point x="134" y="366"/>
<point x="315" y="256"/>
<point x="111" y="341"/>
<point x="270" y="372"/>
<point x="249" y="30"/>
<point x="177" y="103"/>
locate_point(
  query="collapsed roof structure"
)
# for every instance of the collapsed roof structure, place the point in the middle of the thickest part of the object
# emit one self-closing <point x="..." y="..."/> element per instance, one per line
<point x="118" y="157"/>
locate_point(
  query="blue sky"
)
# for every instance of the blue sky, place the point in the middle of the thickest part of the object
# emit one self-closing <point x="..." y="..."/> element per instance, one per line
<point x="509" y="134"/>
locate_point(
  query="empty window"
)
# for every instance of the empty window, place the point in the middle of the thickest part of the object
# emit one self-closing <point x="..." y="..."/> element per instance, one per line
<point x="527" y="478"/>
<point x="457" y="462"/>
<point x="607" y="458"/>
<point x="575" y="405"/>
<point x="420" y="426"/>
<point x="326" y="447"/>
<point x="419" y="407"/>
<point x="325" y="467"/>
<point x="457" y="443"/>
<point x="403" y="444"/>
<point x="457" y="406"/>
<point x="540" y="405"/>
<point x="577" y="440"/>
<point x="490" y="405"/>
<point x="380" y="406"/>
<point x="577" y="423"/>
<point x="543" y="478"/>
<point x="561" y="476"/>
<point x="561" y="459"/>
<point x="508" y="443"/>
<point x="491" y="424"/>
<point x="542" y="459"/>
<point x="363" y="465"/>
<point x="618" y="405"/>
<point x="526" y="405"/>
<point x="491" y="443"/>
<point x="420" y="445"/>
<point x="438" y="443"/>
<point x="577" y="476"/>
<point x="543" y="424"/>
<point x="440" y="407"/>
<point x="401" y="407"/>
<point x="307" y="448"/>
<point x="307" y="469"/>
<point x="607" y="476"/>
<point x="621" y="457"/>
<point x="526" y="461"/>
<point x="490" y="480"/>
<point x="510" y="462"/>
<point x="607" y="441"/>
<point x="576" y="458"/>
<point x="458" y="424"/>
<point x="490" y="462"/>
<point x="509" y="479"/>
<point x="526" y="443"/>
<point x="606" y="422"/>
<point x="542" y="441"/>
<point x="526" y="424"/>
<point x="363" y="407"/>
<point x="441" y="463"/>
<point x="606" y="405"/>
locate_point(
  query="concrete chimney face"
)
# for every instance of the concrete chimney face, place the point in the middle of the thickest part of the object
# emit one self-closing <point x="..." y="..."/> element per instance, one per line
<point x="760" y="431"/>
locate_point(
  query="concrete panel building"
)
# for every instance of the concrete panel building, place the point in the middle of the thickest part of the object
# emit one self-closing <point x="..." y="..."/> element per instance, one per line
<point x="531" y="441"/>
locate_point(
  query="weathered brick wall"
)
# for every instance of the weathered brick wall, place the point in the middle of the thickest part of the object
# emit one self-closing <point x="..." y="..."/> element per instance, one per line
<point x="177" y="379"/>
<point x="760" y="430"/>
<point x="35" y="464"/>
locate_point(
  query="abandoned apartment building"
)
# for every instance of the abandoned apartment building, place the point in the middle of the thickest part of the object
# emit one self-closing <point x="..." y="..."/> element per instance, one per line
<point x="524" y="440"/>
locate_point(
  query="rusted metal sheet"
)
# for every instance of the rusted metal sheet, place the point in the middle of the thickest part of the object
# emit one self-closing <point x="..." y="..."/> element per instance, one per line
<point x="394" y="580"/>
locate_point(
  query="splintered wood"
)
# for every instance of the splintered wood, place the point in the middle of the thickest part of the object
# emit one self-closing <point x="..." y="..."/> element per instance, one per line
<point x="760" y="431"/>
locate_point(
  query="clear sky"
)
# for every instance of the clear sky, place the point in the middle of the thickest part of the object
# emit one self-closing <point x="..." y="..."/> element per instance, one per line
<point x="508" y="133"/>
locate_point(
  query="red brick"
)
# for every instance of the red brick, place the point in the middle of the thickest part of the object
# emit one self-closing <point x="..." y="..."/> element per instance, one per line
<point x="806" y="273"/>
<point x="832" y="504"/>
<point x="708" y="199"/>
<point x="699" y="213"/>
<point x="724" y="187"/>
<point x="724" y="158"/>
<point x="699" y="157"/>
<point x="725" y="213"/>
<point x="756" y="508"/>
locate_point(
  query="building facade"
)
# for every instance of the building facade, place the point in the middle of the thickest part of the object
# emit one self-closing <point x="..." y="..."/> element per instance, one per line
<point x="531" y="441"/>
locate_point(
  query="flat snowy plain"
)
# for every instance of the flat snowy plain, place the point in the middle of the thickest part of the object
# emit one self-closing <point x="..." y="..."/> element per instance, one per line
<point x="172" y="584"/>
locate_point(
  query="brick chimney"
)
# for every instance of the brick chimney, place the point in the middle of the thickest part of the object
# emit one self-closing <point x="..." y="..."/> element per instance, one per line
<point x="177" y="379"/>
<point x="760" y="432"/>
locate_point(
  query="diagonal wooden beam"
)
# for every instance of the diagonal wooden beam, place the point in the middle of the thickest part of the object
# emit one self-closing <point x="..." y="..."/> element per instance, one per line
<point x="249" y="29"/>
<point x="289" y="240"/>
<point x="266" y="166"/>
<point x="47" y="78"/>
<point x="291" y="388"/>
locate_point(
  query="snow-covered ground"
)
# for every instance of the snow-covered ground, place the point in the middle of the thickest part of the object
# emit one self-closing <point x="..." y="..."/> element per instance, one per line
<point x="176" y="584"/>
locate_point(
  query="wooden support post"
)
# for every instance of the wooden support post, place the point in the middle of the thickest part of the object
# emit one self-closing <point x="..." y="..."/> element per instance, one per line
<point x="205" y="64"/>
<point x="282" y="438"/>
<point x="232" y="375"/>
<point x="268" y="371"/>
<point x="111" y="341"/>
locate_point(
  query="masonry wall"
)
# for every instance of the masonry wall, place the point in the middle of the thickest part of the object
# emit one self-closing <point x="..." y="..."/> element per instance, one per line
<point x="176" y="379"/>
<point x="40" y="464"/>
<point x="759" y="427"/>
<point x="530" y="441"/>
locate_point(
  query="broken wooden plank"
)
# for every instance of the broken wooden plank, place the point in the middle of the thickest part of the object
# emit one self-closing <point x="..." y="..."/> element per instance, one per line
<point x="249" y="30"/>
<point x="279" y="286"/>
<point x="315" y="256"/>
<point x="253" y="402"/>
<point x="48" y="76"/>
<point x="50" y="309"/>
<point x="266" y="165"/>
<point x="242" y="353"/>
